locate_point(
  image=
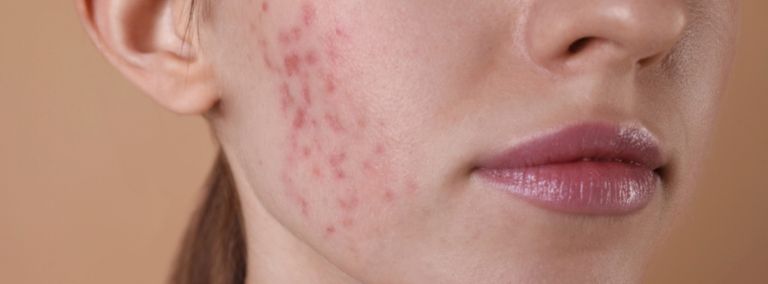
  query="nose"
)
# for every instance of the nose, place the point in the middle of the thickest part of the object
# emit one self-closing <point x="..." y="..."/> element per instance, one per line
<point x="581" y="35"/>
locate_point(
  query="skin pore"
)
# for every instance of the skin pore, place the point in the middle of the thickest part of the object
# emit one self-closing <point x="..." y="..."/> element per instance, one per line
<point x="353" y="128"/>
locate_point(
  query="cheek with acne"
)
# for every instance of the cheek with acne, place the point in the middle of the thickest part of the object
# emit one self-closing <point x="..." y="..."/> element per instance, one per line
<point x="330" y="162"/>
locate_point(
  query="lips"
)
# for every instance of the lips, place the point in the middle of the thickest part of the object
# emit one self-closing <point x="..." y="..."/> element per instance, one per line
<point x="599" y="169"/>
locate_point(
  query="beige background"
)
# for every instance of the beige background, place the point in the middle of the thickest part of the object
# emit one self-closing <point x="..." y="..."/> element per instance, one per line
<point x="97" y="183"/>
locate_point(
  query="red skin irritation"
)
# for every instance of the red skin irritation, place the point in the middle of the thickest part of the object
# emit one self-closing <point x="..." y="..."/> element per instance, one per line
<point x="330" y="230"/>
<point x="326" y="133"/>
<point x="292" y="64"/>
<point x="300" y="119"/>
<point x="308" y="14"/>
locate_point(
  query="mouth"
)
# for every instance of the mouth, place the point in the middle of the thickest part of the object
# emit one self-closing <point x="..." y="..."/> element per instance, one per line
<point x="589" y="169"/>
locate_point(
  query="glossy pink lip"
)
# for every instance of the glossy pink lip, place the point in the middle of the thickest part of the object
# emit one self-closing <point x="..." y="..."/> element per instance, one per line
<point x="599" y="169"/>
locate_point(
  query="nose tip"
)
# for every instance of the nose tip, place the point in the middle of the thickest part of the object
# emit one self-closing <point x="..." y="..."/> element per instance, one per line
<point x="588" y="34"/>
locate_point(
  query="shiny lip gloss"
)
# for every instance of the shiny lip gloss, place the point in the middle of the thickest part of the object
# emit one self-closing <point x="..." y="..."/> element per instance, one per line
<point x="590" y="169"/>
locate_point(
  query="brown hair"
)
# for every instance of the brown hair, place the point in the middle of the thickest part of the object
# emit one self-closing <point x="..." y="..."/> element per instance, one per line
<point x="213" y="249"/>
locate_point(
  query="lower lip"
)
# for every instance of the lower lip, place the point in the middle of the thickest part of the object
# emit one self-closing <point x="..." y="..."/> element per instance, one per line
<point x="593" y="188"/>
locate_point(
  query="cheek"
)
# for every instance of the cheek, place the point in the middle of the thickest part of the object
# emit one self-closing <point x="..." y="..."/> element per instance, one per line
<point x="336" y="168"/>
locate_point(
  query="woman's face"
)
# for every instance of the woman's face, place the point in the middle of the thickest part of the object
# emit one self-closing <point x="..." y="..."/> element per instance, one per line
<point x="365" y="128"/>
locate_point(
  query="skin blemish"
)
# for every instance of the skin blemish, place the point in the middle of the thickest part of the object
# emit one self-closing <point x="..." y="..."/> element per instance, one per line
<point x="379" y="149"/>
<point x="317" y="172"/>
<point x="330" y="230"/>
<point x="265" y="6"/>
<point x="337" y="160"/>
<point x="306" y="152"/>
<point x="296" y="196"/>
<point x="300" y="118"/>
<point x="348" y="203"/>
<point x="340" y="32"/>
<point x="311" y="58"/>
<point x="304" y="206"/>
<point x="308" y="14"/>
<point x="339" y="174"/>
<point x="389" y="195"/>
<point x="334" y="123"/>
<point x="306" y="92"/>
<point x="291" y="36"/>
<point x="334" y="173"/>
<point x="292" y="64"/>
<point x="330" y="84"/>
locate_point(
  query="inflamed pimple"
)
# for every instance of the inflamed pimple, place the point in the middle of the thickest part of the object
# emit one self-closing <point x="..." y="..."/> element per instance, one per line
<point x="292" y="64"/>
<point x="308" y="14"/>
<point x="300" y="118"/>
<point x="330" y="230"/>
<point x="349" y="203"/>
<point x="265" y="6"/>
<point x="389" y="195"/>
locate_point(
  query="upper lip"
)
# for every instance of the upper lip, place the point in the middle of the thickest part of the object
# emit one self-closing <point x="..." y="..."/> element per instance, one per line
<point x="597" y="142"/>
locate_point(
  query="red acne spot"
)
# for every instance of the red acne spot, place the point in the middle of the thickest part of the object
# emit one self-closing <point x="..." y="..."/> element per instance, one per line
<point x="348" y="203"/>
<point x="379" y="149"/>
<point x="340" y="32"/>
<point x="330" y="84"/>
<point x="305" y="91"/>
<point x="308" y="14"/>
<point x="334" y="123"/>
<point x="290" y="36"/>
<point x="300" y="118"/>
<point x="316" y="172"/>
<point x="292" y="64"/>
<point x="286" y="100"/>
<point x="311" y="58"/>
<point x="265" y="6"/>
<point x="284" y="38"/>
<point x="340" y="174"/>
<point x="389" y="196"/>
<point x="304" y="206"/>
<point x="306" y="152"/>
<point x="337" y="159"/>
<point x="330" y="230"/>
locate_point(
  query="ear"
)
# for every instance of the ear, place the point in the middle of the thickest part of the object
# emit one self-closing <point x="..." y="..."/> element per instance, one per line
<point x="155" y="46"/>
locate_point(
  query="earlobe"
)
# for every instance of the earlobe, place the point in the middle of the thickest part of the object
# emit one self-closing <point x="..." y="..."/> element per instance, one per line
<point x="147" y="40"/>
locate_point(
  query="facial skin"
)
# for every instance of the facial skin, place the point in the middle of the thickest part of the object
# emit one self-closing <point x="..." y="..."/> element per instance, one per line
<point x="353" y="128"/>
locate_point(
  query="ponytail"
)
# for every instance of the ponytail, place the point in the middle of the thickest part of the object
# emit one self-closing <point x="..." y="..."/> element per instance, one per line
<point x="213" y="250"/>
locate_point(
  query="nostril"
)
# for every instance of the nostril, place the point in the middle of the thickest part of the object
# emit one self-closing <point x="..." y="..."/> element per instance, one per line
<point x="579" y="45"/>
